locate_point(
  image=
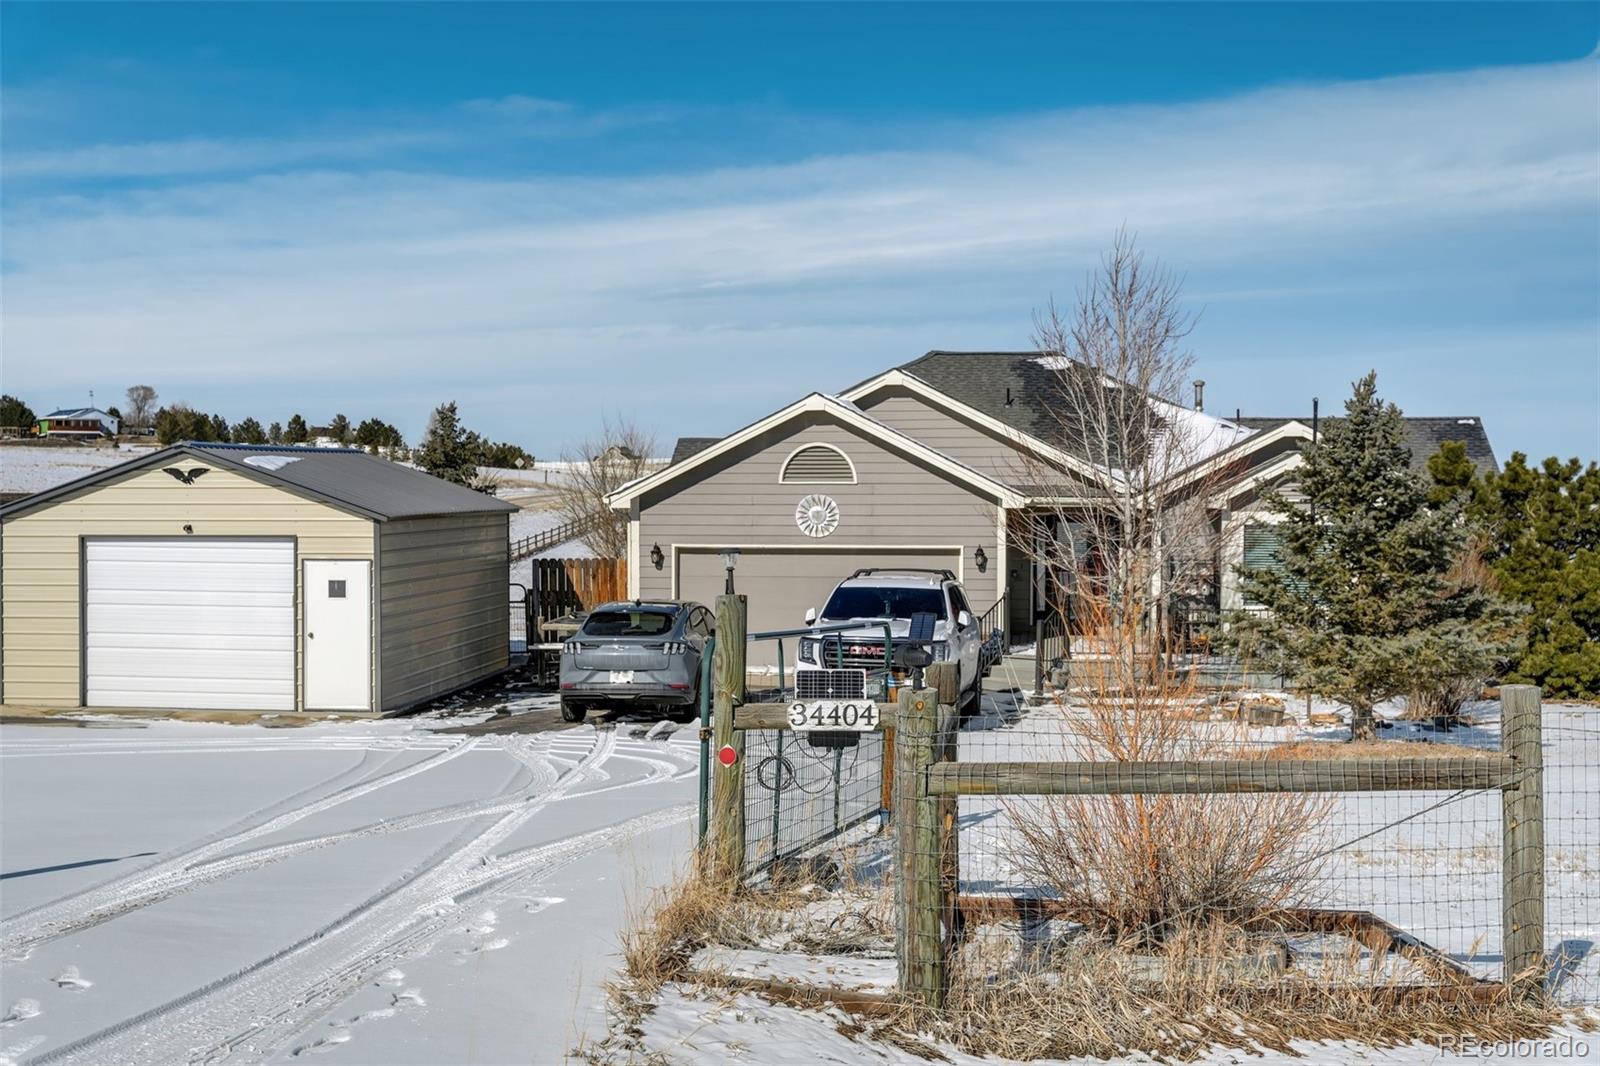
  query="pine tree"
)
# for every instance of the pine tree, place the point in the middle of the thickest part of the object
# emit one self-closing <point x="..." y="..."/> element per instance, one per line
<point x="339" y="429"/>
<point x="1542" y="535"/>
<point x="249" y="431"/>
<point x="447" y="450"/>
<point x="13" y="412"/>
<point x="296" y="432"/>
<point x="275" y="433"/>
<point x="1368" y="603"/>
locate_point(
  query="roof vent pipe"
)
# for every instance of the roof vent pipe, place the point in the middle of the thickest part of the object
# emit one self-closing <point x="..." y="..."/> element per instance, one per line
<point x="1199" y="394"/>
<point x="1009" y="400"/>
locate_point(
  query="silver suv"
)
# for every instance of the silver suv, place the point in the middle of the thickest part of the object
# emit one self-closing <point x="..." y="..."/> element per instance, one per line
<point x="895" y="596"/>
<point x="637" y="655"/>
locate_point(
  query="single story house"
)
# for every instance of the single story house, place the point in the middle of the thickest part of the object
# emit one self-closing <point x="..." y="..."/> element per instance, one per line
<point x="255" y="577"/>
<point x="88" y="422"/>
<point x="923" y="465"/>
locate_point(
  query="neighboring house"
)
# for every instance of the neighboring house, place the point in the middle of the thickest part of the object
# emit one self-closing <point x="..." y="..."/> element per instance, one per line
<point x="922" y="465"/>
<point x="86" y="422"/>
<point x="234" y="576"/>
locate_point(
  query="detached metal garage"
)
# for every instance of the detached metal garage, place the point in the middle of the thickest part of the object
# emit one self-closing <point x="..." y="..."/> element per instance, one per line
<point x="243" y="577"/>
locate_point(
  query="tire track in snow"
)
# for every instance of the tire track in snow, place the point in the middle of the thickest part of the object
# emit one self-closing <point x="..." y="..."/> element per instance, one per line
<point x="292" y="985"/>
<point x="22" y="932"/>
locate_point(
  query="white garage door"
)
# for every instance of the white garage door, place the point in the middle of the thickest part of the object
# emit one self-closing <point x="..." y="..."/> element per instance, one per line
<point x="189" y="622"/>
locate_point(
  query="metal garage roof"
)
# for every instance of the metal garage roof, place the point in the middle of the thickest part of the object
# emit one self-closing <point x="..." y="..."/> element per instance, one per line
<point x="343" y="477"/>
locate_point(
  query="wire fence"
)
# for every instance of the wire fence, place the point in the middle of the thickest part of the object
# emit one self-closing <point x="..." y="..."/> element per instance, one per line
<point x="798" y="796"/>
<point x="1364" y="872"/>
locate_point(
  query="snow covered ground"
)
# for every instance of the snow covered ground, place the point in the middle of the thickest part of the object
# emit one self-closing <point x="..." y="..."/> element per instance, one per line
<point x="369" y="891"/>
<point x="35" y="468"/>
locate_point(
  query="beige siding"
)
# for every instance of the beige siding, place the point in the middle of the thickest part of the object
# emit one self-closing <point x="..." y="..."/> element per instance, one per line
<point x="39" y="593"/>
<point x="896" y="504"/>
<point x="963" y="441"/>
<point x="444" y="604"/>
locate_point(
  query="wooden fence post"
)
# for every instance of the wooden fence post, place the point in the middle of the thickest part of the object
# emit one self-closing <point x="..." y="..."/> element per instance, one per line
<point x="727" y="795"/>
<point x="1522" y="812"/>
<point x="919" y="943"/>
<point x="946" y="679"/>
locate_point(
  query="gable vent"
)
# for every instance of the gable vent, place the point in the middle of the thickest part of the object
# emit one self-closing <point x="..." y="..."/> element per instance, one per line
<point x="814" y="464"/>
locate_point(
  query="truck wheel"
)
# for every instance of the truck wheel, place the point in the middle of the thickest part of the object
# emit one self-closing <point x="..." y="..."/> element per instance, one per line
<point x="572" y="712"/>
<point x="970" y="701"/>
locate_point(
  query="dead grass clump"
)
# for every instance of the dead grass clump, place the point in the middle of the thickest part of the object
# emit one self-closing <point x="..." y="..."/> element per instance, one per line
<point x="1095" y="999"/>
<point x="1368" y="749"/>
<point x="1141" y="868"/>
<point x="793" y="912"/>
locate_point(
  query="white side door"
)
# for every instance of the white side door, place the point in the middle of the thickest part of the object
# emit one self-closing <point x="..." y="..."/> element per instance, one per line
<point x="338" y="634"/>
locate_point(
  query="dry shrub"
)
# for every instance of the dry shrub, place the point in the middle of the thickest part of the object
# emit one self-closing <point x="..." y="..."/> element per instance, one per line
<point x="1140" y="868"/>
<point x="1093" y="999"/>
<point x="791" y="913"/>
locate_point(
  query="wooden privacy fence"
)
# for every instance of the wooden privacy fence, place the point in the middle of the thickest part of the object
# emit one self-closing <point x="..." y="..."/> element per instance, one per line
<point x="567" y="586"/>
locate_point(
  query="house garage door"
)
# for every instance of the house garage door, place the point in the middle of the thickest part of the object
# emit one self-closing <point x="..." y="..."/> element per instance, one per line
<point x="189" y="622"/>
<point x="782" y="582"/>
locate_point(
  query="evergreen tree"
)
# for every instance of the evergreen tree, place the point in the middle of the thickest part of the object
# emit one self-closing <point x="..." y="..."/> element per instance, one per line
<point x="339" y="429"/>
<point x="13" y="412"/>
<point x="296" y="432"/>
<point x="217" y="429"/>
<point x="1541" y="528"/>
<point x="181" y="422"/>
<point x="447" y="450"/>
<point x="275" y="433"/>
<point x="1368" y="603"/>
<point x="249" y="431"/>
<point x="376" y="435"/>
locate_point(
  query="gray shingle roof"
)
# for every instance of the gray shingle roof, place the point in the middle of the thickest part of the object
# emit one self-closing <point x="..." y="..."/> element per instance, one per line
<point x="1424" y="434"/>
<point x="690" y="446"/>
<point x="1013" y="387"/>
<point x="346" y="478"/>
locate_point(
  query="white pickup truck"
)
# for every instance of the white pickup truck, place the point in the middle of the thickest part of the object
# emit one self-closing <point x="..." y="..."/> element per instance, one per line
<point x="875" y="597"/>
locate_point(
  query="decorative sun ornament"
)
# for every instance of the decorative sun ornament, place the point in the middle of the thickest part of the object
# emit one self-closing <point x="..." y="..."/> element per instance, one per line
<point x="817" y="515"/>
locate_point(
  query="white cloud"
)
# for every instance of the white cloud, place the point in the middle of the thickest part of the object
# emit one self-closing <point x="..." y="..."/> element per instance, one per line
<point x="803" y="275"/>
<point x="200" y="155"/>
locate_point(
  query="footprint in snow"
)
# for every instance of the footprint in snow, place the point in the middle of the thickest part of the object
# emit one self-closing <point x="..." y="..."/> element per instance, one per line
<point x="409" y="998"/>
<point x="327" y="1043"/>
<point x="21" y="1011"/>
<point x="391" y="977"/>
<point x="71" y="980"/>
<point x="535" y="906"/>
<point x="488" y="945"/>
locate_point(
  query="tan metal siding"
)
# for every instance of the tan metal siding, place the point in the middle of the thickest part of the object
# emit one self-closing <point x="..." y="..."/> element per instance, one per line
<point x="738" y="499"/>
<point x="39" y="579"/>
<point x="443" y="599"/>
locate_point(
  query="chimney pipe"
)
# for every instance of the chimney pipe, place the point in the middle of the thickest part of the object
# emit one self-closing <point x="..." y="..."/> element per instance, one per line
<point x="1199" y="394"/>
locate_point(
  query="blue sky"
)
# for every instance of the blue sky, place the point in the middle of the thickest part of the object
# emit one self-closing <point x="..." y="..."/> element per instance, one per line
<point x="690" y="215"/>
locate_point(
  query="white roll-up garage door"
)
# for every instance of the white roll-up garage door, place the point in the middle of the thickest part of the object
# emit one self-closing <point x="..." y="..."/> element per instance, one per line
<point x="189" y="622"/>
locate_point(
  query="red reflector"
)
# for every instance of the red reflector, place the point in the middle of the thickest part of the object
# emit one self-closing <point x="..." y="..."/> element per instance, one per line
<point x="674" y="684"/>
<point x="726" y="755"/>
<point x="570" y="684"/>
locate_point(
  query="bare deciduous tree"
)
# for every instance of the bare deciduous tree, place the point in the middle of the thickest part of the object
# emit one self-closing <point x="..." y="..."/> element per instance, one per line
<point x="599" y="465"/>
<point x="1123" y="522"/>
<point x="141" y="404"/>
